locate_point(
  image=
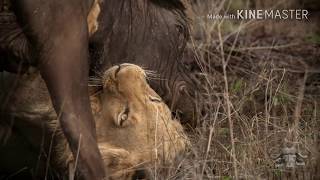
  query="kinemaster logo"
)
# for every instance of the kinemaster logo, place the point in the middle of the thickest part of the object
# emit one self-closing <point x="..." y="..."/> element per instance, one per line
<point x="260" y="14"/>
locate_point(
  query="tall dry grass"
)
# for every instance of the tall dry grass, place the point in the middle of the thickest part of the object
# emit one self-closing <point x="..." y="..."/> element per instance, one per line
<point x="256" y="99"/>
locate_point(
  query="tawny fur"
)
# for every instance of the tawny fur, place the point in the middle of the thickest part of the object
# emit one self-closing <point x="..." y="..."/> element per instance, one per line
<point x="92" y="18"/>
<point x="149" y="137"/>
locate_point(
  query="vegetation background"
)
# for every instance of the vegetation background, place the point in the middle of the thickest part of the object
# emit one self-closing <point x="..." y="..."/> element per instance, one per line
<point x="261" y="93"/>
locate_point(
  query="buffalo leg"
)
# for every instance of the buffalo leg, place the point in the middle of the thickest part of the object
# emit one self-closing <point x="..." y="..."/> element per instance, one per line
<point x="58" y="32"/>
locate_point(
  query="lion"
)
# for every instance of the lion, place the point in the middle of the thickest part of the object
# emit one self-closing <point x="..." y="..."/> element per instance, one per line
<point x="135" y="129"/>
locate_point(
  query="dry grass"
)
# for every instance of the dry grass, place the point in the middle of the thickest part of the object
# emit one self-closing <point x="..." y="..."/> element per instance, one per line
<point x="256" y="98"/>
<point x="257" y="101"/>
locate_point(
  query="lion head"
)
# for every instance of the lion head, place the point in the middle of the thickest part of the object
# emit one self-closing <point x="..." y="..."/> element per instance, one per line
<point x="134" y="126"/>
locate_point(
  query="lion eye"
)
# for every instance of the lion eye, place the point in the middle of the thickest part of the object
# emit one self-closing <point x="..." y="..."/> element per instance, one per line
<point x="123" y="116"/>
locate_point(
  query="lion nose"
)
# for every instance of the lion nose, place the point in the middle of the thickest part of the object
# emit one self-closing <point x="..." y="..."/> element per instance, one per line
<point x="141" y="174"/>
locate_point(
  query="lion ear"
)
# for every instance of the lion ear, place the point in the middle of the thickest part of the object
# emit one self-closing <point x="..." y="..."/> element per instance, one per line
<point x="95" y="104"/>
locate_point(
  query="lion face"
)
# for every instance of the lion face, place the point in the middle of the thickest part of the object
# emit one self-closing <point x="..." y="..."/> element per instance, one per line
<point x="134" y="126"/>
